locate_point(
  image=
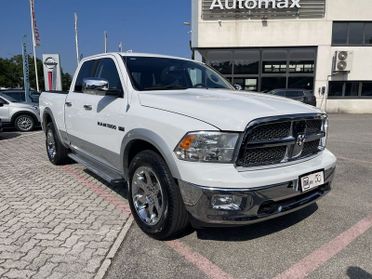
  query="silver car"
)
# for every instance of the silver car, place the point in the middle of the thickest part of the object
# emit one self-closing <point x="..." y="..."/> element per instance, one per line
<point x="23" y="116"/>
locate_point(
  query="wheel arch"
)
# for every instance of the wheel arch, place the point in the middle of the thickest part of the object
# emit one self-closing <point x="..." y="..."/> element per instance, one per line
<point x="141" y="139"/>
<point x="24" y="112"/>
<point x="48" y="117"/>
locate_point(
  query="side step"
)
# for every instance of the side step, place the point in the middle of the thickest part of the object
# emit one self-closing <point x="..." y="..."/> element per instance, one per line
<point x="106" y="173"/>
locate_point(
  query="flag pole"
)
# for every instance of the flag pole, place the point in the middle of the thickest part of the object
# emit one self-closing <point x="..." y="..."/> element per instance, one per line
<point x="105" y="38"/>
<point x="34" y="44"/>
<point x="77" y="39"/>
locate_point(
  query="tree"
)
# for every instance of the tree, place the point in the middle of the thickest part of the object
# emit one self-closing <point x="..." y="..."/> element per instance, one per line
<point x="11" y="73"/>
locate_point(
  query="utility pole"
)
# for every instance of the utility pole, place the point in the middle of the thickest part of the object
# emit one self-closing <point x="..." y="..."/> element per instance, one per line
<point x="35" y="41"/>
<point x="76" y="39"/>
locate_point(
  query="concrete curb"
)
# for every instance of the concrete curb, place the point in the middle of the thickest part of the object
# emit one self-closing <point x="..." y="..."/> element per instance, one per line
<point x="114" y="248"/>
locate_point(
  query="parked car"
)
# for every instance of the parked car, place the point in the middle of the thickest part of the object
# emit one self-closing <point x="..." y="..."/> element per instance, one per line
<point x="1" y="126"/>
<point x="19" y="95"/>
<point x="190" y="147"/>
<point x="23" y="116"/>
<point x="302" y="95"/>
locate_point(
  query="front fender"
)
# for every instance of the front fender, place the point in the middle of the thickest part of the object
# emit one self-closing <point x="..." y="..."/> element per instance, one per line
<point x="157" y="141"/>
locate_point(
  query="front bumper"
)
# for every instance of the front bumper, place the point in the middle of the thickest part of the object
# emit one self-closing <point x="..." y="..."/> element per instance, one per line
<point x="257" y="204"/>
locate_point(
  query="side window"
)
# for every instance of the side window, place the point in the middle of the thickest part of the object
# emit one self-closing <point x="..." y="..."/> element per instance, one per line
<point x="3" y="102"/>
<point x="107" y="70"/>
<point x="86" y="71"/>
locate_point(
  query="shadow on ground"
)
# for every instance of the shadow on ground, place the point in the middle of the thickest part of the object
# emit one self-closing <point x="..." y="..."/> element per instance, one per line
<point x="120" y="189"/>
<point x="258" y="230"/>
<point x="355" y="272"/>
<point x="9" y="135"/>
<point x="233" y="233"/>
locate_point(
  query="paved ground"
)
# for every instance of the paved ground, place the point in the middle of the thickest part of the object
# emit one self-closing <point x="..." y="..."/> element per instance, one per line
<point x="60" y="222"/>
<point x="313" y="240"/>
<point x="55" y="222"/>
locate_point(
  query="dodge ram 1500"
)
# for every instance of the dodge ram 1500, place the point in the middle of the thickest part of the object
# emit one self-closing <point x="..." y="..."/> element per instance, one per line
<point x="189" y="147"/>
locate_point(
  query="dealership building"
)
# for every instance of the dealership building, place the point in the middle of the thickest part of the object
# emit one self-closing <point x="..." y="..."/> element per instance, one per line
<point x="320" y="45"/>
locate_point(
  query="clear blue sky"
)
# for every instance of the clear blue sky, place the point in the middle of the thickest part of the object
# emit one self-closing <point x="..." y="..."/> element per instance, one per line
<point x="154" y="26"/>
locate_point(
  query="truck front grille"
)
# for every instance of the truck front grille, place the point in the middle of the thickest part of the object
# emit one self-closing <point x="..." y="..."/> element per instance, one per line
<point x="274" y="141"/>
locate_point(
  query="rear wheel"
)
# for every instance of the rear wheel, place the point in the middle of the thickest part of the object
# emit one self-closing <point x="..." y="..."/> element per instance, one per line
<point x="154" y="197"/>
<point x="57" y="153"/>
<point x="24" y="123"/>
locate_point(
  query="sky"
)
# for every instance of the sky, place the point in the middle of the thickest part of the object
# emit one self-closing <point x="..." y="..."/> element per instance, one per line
<point x="155" y="26"/>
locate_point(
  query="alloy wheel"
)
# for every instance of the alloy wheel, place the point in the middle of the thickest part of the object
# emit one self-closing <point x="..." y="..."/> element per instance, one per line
<point x="147" y="196"/>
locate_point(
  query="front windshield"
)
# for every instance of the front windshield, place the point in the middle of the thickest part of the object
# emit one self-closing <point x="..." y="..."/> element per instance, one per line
<point x="152" y="73"/>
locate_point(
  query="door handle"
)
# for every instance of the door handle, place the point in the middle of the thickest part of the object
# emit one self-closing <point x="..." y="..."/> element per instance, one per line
<point x="68" y="104"/>
<point x="87" y="107"/>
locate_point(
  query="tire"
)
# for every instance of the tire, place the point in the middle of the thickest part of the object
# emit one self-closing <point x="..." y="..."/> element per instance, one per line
<point x="24" y="123"/>
<point x="57" y="153"/>
<point x="171" y="216"/>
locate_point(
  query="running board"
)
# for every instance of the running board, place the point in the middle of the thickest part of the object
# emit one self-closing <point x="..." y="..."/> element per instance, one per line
<point x="104" y="172"/>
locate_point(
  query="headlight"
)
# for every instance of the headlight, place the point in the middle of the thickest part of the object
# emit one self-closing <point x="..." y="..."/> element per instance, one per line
<point x="207" y="147"/>
<point x="325" y="125"/>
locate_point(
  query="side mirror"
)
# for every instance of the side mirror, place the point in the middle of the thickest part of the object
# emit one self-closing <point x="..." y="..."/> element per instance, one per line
<point x="238" y="87"/>
<point x="98" y="86"/>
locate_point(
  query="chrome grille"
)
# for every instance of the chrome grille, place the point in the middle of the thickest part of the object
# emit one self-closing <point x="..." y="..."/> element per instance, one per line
<point x="274" y="141"/>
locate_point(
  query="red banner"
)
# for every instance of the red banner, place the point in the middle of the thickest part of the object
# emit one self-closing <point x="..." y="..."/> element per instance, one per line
<point x="35" y="29"/>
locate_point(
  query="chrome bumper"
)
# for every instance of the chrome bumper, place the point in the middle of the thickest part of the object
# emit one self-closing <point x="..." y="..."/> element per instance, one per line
<point x="257" y="204"/>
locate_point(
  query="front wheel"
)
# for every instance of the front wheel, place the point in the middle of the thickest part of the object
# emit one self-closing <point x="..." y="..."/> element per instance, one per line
<point x="24" y="123"/>
<point x="154" y="197"/>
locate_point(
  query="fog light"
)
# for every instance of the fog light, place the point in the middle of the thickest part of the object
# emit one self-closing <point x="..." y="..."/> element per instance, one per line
<point x="226" y="202"/>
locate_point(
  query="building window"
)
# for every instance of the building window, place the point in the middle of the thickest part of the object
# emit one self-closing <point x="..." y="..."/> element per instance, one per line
<point x="368" y="33"/>
<point x="352" y="33"/>
<point x="350" y="89"/>
<point x="367" y="89"/>
<point x="221" y="60"/>
<point x="246" y="61"/>
<point x="264" y="69"/>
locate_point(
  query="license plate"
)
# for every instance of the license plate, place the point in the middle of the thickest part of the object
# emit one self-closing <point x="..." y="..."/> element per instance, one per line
<point x="311" y="181"/>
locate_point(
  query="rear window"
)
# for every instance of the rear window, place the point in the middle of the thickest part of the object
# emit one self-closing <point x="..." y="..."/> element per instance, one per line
<point x="294" y="94"/>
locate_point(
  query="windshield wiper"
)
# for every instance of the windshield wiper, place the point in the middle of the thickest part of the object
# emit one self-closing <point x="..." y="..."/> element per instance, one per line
<point x="166" y="87"/>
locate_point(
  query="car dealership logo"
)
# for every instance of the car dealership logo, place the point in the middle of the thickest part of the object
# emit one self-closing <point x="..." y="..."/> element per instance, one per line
<point x="254" y="4"/>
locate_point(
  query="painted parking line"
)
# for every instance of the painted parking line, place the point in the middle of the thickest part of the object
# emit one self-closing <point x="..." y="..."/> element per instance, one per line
<point x="320" y="256"/>
<point x="202" y="263"/>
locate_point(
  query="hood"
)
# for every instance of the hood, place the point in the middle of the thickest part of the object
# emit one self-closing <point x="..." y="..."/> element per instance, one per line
<point x="225" y="109"/>
<point x="25" y="105"/>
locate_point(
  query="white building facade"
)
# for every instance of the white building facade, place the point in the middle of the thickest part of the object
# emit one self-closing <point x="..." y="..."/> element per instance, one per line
<point x="320" y="45"/>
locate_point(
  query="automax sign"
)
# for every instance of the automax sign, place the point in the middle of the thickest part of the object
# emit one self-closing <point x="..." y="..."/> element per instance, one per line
<point x="254" y="4"/>
<point x="257" y="9"/>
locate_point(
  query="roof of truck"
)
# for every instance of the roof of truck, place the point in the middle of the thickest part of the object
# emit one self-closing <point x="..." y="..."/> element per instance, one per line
<point x="136" y="54"/>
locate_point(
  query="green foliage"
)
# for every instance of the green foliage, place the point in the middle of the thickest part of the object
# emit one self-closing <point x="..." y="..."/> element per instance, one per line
<point x="11" y="73"/>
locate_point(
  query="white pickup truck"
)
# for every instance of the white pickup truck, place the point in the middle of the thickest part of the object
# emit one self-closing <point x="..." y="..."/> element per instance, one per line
<point x="189" y="147"/>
